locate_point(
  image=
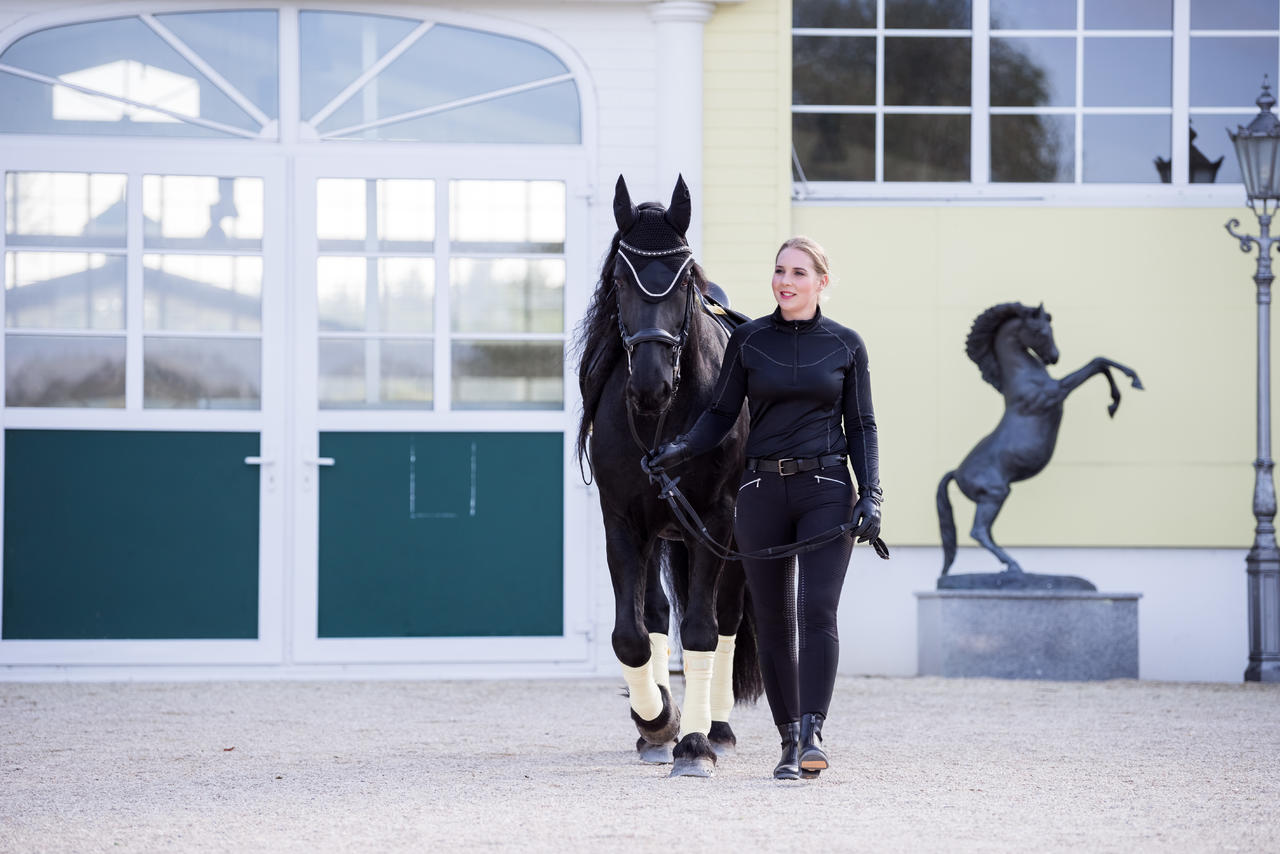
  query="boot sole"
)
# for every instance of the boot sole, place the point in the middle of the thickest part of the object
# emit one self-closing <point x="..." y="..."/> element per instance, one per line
<point x="813" y="764"/>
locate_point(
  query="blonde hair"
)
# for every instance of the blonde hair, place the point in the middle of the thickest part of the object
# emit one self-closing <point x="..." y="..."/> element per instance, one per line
<point x="810" y="247"/>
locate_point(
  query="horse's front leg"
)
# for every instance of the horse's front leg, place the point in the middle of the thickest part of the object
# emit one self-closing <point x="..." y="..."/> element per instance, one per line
<point x="730" y="607"/>
<point x="652" y="709"/>
<point x="694" y="755"/>
<point x="1100" y="365"/>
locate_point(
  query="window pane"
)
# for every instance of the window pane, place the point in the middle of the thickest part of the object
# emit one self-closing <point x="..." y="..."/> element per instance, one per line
<point x="121" y="57"/>
<point x="1211" y="145"/>
<point x="64" y="290"/>
<point x="927" y="14"/>
<point x="508" y="375"/>
<point x="1039" y="149"/>
<point x="202" y="293"/>
<point x="375" y="294"/>
<point x="47" y="370"/>
<point x="335" y="47"/>
<point x="1033" y="72"/>
<point x="375" y="374"/>
<point x="833" y="70"/>
<point x="1124" y="148"/>
<point x="506" y="295"/>
<point x="201" y="373"/>
<point x="507" y="216"/>
<point x="1128" y="15"/>
<point x="64" y="209"/>
<point x="404" y="214"/>
<point x="926" y="148"/>
<point x="927" y="72"/>
<point x="1124" y="72"/>
<point x="239" y="45"/>
<point x="202" y="212"/>
<point x="833" y="13"/>
<point x="1227" y="72"/>
<point x="1234" y="15"/>
<point x="835" y="147"/>
<point x="341" y="211"/>
<point x="1040" y="15"/>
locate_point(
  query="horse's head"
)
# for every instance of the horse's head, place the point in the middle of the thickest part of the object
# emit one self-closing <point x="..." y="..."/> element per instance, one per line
<point x="1037" y="335"/>
<point x="652" y="276"/>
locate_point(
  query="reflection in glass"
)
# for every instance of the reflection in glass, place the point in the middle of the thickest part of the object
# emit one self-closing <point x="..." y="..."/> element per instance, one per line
<point x="833" y="13"/>
<point x="202" y="293"/>
<point x="835" y="147"/>
<point x="201" y="373"/>
<point x="404" y="211"/>
<point x="927" y="72"/>
<point x="48" y="370"/>
<point x="335" y="47"/>
<point x="1213" y="143"/>
<point x="64" y="290"/>
<point x="1234" y="15"/>
<point x="1040" y="15"/>
<point x="64" y="209"/>
<point x="513" y="215"/>
<point x="240" y="45"/>
<point x="375" y="294"/>
<point x="1226" y="71"/>
<point x="1123" y="148"/>
<point x="1128" y="15"/>
<point x="375" y="373"/>
<point x="200" y="211"/>
<point x="121" y="57"/>
<point x="1121" y="72"/>
<point x="508" y="375"/>
<point x="1033" y="72"/>
<point x="1039" y="149"/>
<point x="506" y="295"/>
<point x="927" y="14"/>
<point x="833" y="70"/>
<point x="926" y="148"/>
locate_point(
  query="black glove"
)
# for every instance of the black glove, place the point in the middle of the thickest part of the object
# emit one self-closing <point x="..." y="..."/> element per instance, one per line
<point x="671" y="454"/>
<point x="866" y="513"/>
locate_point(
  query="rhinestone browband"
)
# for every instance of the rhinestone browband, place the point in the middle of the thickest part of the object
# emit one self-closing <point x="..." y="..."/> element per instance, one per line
<point x="677" y="251"/>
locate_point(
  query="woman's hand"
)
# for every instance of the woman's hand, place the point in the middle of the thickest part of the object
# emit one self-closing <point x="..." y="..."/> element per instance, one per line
<point x="866" y="515"/>
<point x="673" y="453"/>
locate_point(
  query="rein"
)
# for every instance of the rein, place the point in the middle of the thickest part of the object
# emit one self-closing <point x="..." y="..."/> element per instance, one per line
<point x="670" y="489"/>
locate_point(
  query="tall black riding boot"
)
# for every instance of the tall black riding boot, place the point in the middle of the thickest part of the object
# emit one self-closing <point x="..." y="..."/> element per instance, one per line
<point x="788" y="767"/>
<point x="812" y="757"/>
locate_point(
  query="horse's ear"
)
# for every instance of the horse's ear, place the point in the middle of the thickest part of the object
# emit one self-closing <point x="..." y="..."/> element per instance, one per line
<point x="680" y="211"/>
<point x="624" y="213"/>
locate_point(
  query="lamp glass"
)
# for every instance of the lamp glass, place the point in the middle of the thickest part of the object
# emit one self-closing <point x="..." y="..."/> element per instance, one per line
<point x="1259" y="158"/>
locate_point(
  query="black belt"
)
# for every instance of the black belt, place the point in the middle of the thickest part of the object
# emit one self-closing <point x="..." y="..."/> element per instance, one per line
<point x="790" y="466"/>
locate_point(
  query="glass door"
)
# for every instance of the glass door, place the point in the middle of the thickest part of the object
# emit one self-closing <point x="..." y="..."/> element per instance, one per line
<point x="432" y="332"/>
<point x="143" y="365"/>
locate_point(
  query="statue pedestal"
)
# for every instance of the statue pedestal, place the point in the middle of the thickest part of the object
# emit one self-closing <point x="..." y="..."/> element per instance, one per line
<point x="1028" y="634"/>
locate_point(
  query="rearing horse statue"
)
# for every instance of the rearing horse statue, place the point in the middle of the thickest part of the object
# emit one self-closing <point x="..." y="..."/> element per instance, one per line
<point x="1011" y="343"/>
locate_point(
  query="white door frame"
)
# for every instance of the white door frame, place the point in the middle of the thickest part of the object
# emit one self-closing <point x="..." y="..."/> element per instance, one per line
<point x="441" y="163"/>
<point x="149" y="156"/>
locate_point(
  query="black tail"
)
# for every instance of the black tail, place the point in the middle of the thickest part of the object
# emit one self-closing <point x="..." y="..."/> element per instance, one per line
<point x="946" y="522"/>
<point x="748" y="684"/>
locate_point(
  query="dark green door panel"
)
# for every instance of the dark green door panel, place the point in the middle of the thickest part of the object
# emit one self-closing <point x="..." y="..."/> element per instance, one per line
<point x="441" y="535"/>
<point x="130" y="535"/>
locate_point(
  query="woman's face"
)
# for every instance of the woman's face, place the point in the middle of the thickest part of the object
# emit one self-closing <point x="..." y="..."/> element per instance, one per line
<point x="796" y="286"/>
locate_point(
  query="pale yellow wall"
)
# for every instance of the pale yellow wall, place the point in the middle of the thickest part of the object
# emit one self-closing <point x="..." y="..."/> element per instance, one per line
<point x="1164" y="290"/>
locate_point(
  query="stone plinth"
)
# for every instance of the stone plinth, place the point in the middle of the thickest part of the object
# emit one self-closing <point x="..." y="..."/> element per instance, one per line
<point x="1028" y="634"/>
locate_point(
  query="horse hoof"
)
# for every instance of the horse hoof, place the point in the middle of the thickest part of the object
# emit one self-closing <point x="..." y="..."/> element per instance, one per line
<point x="653" y="754"/>
<point x="722" y="739"/>
<point x="697" y="766"/>
<point x="666" y="726"/>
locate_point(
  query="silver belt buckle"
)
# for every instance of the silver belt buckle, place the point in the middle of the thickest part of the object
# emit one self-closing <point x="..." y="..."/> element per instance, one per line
<point x="781" y="465"/>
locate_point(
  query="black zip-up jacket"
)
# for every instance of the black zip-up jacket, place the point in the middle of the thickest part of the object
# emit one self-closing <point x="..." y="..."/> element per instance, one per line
<point x="799" y="378"/>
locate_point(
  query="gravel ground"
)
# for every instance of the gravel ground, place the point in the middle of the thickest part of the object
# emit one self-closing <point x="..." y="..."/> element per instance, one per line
<point x="918" y="765"/>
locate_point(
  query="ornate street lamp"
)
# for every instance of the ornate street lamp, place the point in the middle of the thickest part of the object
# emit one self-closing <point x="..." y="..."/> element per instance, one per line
<point x="1258" y="150"/>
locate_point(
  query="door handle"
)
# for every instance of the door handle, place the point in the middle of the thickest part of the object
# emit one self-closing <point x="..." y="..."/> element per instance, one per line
<point x="259" y="461"/>
<point x="319" y="461"/>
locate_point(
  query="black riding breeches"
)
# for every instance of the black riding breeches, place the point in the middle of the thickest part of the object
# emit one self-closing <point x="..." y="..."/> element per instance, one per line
<point x="795" y="599"/>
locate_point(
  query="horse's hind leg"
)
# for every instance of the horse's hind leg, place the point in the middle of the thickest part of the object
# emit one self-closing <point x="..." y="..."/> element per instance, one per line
<point x="983" y="517"/>
<point x="729" y="609"/>
<point x="652" y="709"/>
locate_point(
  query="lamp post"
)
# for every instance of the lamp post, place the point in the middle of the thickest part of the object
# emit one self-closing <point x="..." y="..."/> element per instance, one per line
<point x="1258" y="150"/>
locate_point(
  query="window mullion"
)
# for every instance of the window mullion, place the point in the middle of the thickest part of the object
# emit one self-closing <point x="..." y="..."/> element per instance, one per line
<point x="880" y="91"/>
<point x="1079" y="123"/>
<point x="1181" y="151"/>
<point x="980" y="99"/>
<point x="442" y="384"/>
<point x="133" y="307"/>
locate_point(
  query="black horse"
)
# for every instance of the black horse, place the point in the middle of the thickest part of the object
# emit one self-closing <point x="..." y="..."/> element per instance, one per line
<point x="650" y="354"/>
<point x="1011" y="343"/>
